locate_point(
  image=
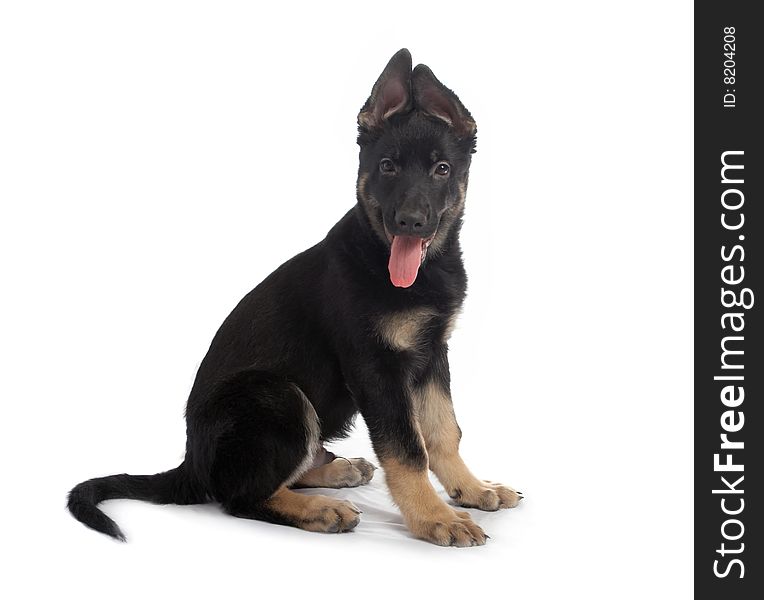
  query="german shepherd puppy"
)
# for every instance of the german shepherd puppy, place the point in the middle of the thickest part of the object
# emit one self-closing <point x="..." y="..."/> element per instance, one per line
<point x="358" y="322"/>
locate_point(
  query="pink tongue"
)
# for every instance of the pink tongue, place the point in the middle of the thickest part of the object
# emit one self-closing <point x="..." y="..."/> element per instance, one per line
<point x="405" y="257"/>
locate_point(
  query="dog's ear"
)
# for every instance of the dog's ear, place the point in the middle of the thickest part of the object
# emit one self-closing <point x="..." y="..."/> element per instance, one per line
<point x="435" y="99"/>
<point x="391" y="94"/>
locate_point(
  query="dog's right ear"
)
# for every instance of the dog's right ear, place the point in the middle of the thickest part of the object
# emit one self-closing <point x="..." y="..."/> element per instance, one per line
<point x="391" y="94"/>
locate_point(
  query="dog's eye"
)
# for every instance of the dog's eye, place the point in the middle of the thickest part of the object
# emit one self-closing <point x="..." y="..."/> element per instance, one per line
<point x="386" y="166"/>
<point x="442" y="168"/>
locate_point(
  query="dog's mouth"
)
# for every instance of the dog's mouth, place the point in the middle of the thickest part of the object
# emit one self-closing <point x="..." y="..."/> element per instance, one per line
<point x="407" y="253"/>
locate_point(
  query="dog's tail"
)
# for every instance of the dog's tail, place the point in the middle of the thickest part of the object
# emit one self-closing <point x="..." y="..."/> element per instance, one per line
<point x="170" y="487"/>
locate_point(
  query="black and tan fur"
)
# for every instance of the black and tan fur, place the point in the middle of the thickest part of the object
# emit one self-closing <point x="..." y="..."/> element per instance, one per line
<point x="337" y="330"/>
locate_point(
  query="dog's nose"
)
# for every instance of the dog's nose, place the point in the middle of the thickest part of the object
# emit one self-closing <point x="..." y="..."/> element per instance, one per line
<point x="410" y="222"/>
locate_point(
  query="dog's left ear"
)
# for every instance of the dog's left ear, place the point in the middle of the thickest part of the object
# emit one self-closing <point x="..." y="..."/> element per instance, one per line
<point x="391" y="93"/>
<point x="435" y="99"/>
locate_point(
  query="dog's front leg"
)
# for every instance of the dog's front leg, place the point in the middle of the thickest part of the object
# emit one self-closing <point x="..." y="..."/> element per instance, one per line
<point x="441" y="433"/>
<point x="386" y="406"/>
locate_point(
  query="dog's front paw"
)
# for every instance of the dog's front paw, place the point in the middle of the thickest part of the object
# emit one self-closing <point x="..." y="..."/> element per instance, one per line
<point x="486" y="495"/>
<point x="454" y="528"/>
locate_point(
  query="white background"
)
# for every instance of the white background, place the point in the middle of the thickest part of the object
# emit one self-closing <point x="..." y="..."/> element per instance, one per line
<point x="158" y="159"/>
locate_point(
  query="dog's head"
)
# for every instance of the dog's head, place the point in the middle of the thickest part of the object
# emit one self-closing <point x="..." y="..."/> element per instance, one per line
<point x="416" y="142"/>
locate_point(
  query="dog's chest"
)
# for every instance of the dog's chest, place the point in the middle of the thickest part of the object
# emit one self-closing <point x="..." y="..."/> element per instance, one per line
<point x="413" y="329"/>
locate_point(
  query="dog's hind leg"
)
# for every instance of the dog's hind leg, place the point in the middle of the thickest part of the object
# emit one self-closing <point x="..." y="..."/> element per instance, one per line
<point x="269" y="437"/>
<point x="329" y="471"/>
<point x="312" y="513"/>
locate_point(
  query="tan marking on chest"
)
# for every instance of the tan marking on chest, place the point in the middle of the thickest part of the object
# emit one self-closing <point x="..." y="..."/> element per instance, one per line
<point x="402" y="330"/>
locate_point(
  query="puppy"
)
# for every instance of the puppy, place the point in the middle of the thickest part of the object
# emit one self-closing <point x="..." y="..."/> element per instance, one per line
<point x="357" y="323"/>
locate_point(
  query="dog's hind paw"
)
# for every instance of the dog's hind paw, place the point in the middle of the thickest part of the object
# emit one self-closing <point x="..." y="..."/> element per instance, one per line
<point x="340" y="473"/>
<point x="365" y="468"/>
<point x="329" y="515"/>
<point x="349" y="472"/>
